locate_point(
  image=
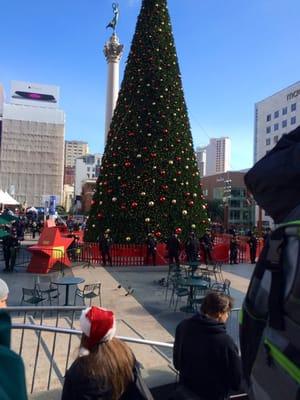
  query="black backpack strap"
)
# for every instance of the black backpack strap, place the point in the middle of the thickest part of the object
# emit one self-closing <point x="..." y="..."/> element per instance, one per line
<point x="274" y="265"/>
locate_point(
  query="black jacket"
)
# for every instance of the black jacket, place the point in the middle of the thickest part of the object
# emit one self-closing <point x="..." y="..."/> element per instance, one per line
<point x="79" y="386"/>
<point x="173" y="245"/>
<point x="274" y="180"/>
<point x="206" y="357"/>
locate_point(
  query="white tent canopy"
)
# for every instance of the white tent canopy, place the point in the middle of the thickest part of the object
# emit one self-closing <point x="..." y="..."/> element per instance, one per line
<point x="6" y="199"/>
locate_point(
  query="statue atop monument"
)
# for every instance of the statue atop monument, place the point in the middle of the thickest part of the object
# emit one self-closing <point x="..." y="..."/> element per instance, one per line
<point x="113" y="23"/>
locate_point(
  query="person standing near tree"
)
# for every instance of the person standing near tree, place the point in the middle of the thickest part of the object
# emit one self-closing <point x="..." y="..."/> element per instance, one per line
<point x="233" y="247"/>
<point x="252" y="245"/>
<point x="192" y="247"/>
<point x="173" y="247"/>
<point x="206" y="245"/>
<point x="151" y="243"/>
<point x="105" y="243"/>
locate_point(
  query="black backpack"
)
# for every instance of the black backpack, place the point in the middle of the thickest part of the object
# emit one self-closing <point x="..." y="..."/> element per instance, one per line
<point x="270" y="319"/>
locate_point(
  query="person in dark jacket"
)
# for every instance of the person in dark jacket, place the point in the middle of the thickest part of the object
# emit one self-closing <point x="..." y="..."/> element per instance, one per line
<point x="105" y="243"/>
<point x="204" y="354"/>
<point x="151" y="243"/>
<point x="233" y="247"/>
<point x="252" y="245"/>
<point x="192" y="247"/>
<point x="173" y="248"/>
<point x="12" y="373"/>
<point x="10" y="245"/>
<point x="206" y="246"/>
<point x="106" y="368"/>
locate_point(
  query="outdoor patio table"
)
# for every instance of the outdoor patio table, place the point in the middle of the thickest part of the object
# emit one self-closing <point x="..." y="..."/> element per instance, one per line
<point x="68" y="281"/>
<point x="192" y="283"/>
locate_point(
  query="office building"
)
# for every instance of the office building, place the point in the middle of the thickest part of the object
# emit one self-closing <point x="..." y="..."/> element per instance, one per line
<point x="218" y="153"/>
<point x="230" y="191"/>
<point x="73" y="150"/>
<point x="200" y="154"/>
<point x="274" y="116"/>
<point x="86" y="168"/>
<point x="32" y="143"/>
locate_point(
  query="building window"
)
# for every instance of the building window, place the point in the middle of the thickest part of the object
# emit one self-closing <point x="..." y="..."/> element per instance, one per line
<point x="235" y="214"/>
<point x="268" y="117"/>
<point x="284" y="123"/>
<point x="293" y="107"/>
<point x="275" y="139"/>
<point x="276" y="114"/>
<point x="284" y="111"/>
<point x="268" y="141"/>
<point x="276" y="127"/>
<point x="293" y="120"/>
<point x="268" y="130"/>
<point x="235" y="203"/>
<point x="205" y="192"/>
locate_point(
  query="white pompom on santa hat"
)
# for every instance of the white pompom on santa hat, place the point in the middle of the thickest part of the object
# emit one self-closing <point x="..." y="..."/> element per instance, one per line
<point x="98" y="324"/>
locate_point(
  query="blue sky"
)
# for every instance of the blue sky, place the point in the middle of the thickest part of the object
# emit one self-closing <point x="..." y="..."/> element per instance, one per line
<point x="231" y="53"/>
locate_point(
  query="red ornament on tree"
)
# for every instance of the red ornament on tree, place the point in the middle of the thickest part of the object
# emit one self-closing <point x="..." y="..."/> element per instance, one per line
<point x="153" y="155"/>
<point x="191" y="203"/>
<point x="162" y="172"/>
<point x="162" y="199"/>
<point x="178" y="231"/>
<point x="134" y="204"/>
<point x="158" y="234"/>
<point x="127" y="164"/>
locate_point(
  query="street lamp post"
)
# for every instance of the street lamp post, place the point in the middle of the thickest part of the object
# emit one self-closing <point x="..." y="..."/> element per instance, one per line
<point x="226" y="199"/>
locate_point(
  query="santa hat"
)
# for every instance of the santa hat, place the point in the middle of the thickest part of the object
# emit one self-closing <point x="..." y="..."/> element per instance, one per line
<point x="98" y="325"/>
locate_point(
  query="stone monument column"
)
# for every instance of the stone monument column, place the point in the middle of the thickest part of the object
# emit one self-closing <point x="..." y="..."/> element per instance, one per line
<point x="113" y="51"/>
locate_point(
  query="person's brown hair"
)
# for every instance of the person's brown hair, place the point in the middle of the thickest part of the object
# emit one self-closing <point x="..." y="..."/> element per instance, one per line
<point x="112" y="362"/>
<point x="215" y="303"/>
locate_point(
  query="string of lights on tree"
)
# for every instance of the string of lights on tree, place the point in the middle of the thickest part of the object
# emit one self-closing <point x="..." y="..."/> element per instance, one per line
<point x="149" y="181"/>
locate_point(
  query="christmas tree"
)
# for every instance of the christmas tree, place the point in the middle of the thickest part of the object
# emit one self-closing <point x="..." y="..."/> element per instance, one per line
<point x="149" y="181"/>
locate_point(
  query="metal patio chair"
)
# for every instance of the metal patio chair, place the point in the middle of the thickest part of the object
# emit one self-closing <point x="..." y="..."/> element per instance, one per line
<point x="47" y="289"/>
<point x="223" y="287"/>
<point x="89" y="291"/>
<point x="32" y="296"/>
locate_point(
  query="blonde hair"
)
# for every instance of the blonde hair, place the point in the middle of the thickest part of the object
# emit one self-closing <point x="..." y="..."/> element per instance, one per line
<point x="112" y="362"/>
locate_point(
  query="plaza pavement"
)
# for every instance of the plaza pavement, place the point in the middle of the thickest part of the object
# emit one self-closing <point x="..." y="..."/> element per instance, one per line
<point x="142" y="314"/>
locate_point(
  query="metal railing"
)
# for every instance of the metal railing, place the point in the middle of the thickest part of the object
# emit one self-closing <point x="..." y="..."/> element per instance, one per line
<point x="39" y="334"/>
<point x="42" y="345"/>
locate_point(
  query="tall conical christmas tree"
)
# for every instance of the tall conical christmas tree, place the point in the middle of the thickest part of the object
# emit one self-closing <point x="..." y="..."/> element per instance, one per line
<point x="149" y="181"/>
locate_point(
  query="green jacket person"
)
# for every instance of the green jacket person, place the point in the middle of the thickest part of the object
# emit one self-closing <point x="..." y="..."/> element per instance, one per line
<point x="12" y="374"/>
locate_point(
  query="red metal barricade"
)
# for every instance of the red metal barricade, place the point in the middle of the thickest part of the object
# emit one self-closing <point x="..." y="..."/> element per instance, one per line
<point x="125" y="255"/>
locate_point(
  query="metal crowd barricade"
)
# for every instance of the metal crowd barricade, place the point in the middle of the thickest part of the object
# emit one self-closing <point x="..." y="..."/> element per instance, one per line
<point x="48" y="345"/>
<point x="122" y="254"/>
<point x="50" y="338"/>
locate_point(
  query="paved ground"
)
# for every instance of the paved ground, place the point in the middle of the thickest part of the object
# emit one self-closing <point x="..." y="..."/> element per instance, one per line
<point x="142" y="314"/>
